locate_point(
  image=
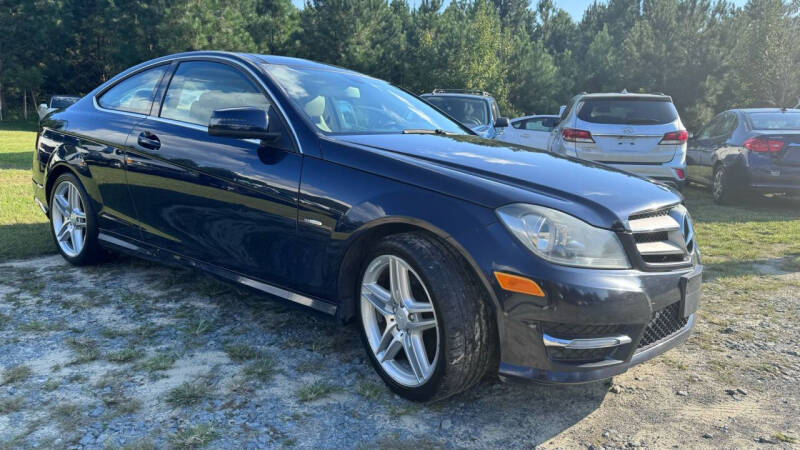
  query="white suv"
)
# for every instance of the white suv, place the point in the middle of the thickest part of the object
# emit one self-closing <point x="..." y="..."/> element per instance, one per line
<point x="639" y="133"/>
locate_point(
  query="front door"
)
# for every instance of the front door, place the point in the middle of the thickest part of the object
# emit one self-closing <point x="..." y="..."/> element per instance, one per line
<point x="225" y="201"/>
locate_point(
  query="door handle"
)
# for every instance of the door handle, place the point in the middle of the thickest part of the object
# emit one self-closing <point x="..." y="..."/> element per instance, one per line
<point x="149" y="140"/>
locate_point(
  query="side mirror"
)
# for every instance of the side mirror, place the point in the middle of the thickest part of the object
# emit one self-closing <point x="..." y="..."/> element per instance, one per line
<point x="561" y="110"/>
<point x="502" y="122"/>
<point x="241" y="123"/>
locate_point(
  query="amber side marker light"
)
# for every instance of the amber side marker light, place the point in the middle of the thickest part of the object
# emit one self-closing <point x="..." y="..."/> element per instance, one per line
<point x="519" y="284"/>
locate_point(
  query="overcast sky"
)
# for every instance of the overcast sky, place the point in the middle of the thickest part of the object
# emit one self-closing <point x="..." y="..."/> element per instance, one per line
<point x="574" y="7"/>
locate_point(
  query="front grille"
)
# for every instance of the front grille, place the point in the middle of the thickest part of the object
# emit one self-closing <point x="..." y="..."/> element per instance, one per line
<point x="664" y="324"/>
<point x="647" y="215"/>
<point x="570" y="331"/>
<point x="663" y="237"/>
<point x="579" y="356"/>
<point x="651" y="237"/>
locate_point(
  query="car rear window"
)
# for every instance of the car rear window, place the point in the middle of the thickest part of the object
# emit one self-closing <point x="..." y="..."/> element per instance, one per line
<point x="775" y="121"/>
<point x="627" y="111"/>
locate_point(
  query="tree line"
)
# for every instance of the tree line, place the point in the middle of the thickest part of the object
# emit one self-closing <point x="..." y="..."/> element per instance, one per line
<point x="708" y="55"/>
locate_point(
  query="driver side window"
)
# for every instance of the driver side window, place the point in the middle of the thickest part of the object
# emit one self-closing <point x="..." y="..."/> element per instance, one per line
<point x="198" y="88"/>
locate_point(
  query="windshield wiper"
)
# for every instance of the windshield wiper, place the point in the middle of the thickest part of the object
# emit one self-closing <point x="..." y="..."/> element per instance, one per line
<point x="425" y="131"/>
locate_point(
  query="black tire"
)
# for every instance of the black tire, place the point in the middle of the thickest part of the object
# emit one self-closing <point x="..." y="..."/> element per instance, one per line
<point x="467" y="330"/>
<point x="91" y="253"/>
<point x="722" y="188"/>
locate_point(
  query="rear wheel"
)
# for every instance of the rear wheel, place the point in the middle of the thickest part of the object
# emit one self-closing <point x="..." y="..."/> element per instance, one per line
<point x="72" y="221"/>
<point x="426" y="324"/>
<point x="722" y="189"/>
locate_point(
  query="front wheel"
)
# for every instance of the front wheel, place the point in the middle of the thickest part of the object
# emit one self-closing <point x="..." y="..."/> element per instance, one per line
<point x="426" y="323"/>
<point x="72" y="221"/>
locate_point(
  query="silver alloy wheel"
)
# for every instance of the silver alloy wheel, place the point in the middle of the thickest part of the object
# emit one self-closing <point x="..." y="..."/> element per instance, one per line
<point x="69" y="218"/>
<point x="399" y="323"/>
<point x="718" y="183"/>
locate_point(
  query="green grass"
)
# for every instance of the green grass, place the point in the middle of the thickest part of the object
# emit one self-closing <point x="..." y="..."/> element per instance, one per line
<point x="187" y="394"/>
<point x="23" y="228"/>
<point x="764" y="232"/>
<point x="158" y="362"/>
<point x="262" y="369"/>
<point x="240" y="352"/>
<point x="315" y="391"/>
<point x="195" y="437"/>
<point x="125" y="355"/>
<point x="85" y="350"/>
<point x="16" y="374"/>
<point x="9" y="405"/>
<point x="785" y="438"/>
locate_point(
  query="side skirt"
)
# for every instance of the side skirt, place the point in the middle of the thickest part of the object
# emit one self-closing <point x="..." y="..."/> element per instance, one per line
<point x="162" y="256"/>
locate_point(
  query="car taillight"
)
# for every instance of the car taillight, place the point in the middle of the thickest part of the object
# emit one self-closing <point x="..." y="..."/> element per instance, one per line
<point x="675" y="138"/>
<point x="680" y="174"/>
<point x="763" y="145"/>
<point x="573" y="135"/>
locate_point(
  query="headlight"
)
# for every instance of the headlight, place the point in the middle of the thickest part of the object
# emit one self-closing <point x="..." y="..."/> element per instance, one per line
<point x="563" y="239"/>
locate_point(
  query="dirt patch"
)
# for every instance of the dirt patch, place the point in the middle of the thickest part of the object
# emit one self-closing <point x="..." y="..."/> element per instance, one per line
<point x="129" y="353"/>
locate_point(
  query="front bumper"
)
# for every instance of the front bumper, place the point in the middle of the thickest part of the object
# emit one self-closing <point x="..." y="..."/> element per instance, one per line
<point x="602" y="369"/>
<point x="584" y="304"/>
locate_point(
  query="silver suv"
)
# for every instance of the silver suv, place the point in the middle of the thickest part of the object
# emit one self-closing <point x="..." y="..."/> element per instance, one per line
<point x="474" y="109"/>
<point x="640" y="133"/>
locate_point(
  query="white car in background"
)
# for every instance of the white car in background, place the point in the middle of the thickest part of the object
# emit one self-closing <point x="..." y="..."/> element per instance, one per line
<point x="531" y="131"/>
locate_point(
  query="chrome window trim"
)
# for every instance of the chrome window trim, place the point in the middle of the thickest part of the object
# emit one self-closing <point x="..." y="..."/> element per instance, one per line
<point x="115" y="111"/>
<point x="191" y="125"/>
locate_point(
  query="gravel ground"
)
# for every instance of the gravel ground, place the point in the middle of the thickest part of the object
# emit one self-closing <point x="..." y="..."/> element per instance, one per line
<point x="130" y="354"/>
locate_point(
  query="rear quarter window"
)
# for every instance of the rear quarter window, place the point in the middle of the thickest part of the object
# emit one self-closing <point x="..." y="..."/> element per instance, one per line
<point x="627" y="111"/>
<point x="135" y="93"/>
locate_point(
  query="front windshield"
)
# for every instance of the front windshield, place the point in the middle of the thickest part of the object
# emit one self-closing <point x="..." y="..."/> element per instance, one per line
<point x="469" y="111"/>
<point x="348" y="103"/>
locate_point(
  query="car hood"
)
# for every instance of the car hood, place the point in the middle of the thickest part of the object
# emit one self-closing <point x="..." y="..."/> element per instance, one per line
<point x="599" y="195"/>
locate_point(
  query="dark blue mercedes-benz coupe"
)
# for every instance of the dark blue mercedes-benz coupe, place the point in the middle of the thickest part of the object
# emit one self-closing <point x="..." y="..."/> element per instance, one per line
<point x="458" y="256"/>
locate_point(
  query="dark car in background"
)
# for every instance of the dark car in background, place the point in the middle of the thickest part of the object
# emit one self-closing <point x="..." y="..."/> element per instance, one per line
<point x="744" y="151"/>
<point x="457" y="255"/>
<point x="477" y="110"/>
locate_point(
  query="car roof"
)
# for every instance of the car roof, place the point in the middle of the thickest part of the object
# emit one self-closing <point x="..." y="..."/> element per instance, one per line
<point x="602" y="95"/>
<point x="457" y="94"/>
<point x="535" y="116"/>
<point x="258" y="58"/>
<point x="768" y="110"/>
